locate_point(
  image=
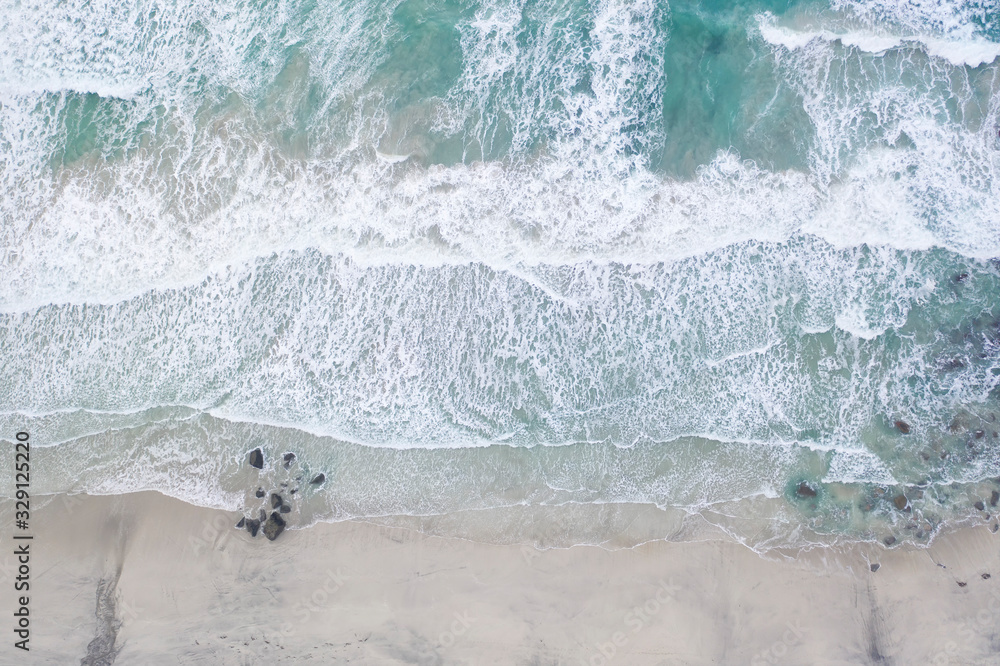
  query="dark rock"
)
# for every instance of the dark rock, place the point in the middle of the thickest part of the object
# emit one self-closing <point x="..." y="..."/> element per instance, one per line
<point x="260" y="492"/>
<point x="889" y="540"/>
<point x="952" y="364"/>
<point x="980" y="506"/>
<point x="293" y="491"/>
<point x="920" y="534"/>
<point x="263" y="516"/>
<point x="318" y="479"/>
<point x="899" y="501"/>
<point x="902" y="426"/>
<point x="298" y="478"/>
<point x="994" y="498"/>
<point x="289" y="458"/>
<point x="979" y="434"/>
<point x="257" y="458"/>
<point x="284" y="484"/>
<point x="285" y="509"/>
<point x="961" y="583"/>
<point x="805" y="490"/>
<point x="274" y="526"/>
<point x="252" y="526"/>
<point x="243" y="521"/>
<point x="995" y="527"/>
<point x="275" y="500"/>
<point x="960" y="278"/>
<point x="875" y="567"/>
<point x="986" y="576"/>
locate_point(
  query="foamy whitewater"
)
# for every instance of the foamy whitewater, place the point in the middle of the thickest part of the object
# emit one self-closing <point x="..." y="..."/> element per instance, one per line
<point x="519" y="270"/>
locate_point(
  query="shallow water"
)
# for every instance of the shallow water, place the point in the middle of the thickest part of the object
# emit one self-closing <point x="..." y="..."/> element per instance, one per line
<point x="621" y="268"/>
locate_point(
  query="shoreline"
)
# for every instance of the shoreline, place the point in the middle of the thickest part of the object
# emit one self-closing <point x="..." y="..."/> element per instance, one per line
<point x="144" y="578"/>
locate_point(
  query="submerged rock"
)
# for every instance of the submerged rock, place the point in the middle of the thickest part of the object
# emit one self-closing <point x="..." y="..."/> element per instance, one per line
<point x="902" y="426"/>
<point x="257" y="458"/>
<point x="285" y="509"/>
<point x="274" y="526"/>
<point x="275" y="500"/>
<point x="805" y="490"/>
<point x="899" y="501"/>
<point x="318" y="479"/>
<point x="263" y="515"/>
<point x="994" y="498"/>
<point x="252" y="526"/>
<point x="889" y="540"/>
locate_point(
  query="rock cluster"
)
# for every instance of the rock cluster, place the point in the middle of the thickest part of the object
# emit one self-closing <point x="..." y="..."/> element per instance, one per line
<point x="805" y="490"/>
<point x="274" y="524"/>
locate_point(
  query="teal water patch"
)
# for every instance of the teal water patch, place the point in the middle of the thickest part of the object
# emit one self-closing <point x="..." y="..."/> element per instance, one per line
<point x="722" y="92"/>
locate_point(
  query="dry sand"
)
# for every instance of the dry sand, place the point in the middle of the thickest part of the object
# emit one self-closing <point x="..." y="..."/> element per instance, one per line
<point x="167" y="583"/>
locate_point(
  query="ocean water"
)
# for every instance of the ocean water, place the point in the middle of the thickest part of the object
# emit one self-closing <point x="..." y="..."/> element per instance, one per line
<point x="541" y="271"/>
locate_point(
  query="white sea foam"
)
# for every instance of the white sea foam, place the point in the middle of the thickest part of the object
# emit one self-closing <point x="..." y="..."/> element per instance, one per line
<point x="858" y="466"/>
<point x="973" y="52"/>
<point x="84" y="244"/>
<point x="171" y="210"/>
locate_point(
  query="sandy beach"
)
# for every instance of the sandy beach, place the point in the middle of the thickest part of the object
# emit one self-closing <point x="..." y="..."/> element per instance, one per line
<point x="146" y="579"/>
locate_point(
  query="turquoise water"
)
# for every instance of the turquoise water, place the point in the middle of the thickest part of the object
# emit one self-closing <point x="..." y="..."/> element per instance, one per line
<point x="628" y="269"/>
